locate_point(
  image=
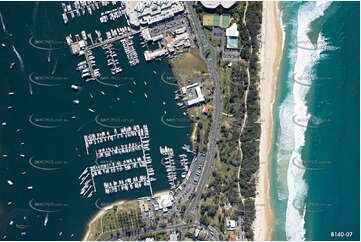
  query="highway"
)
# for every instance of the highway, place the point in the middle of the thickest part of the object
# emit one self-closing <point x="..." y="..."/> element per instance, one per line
<point x="218" y="107"/>
<point x="123" y="236"/>
<point x="216" y="123"/>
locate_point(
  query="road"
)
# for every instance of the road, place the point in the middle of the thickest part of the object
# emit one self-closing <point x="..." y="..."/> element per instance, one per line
<point x="217" y="104"/>
<point x="216" y="123"/>
<point x="211" y="231"/>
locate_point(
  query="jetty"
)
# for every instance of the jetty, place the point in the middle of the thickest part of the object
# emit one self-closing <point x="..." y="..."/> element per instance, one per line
<point x="169" y="165"/>
<point x="87" y="177"/>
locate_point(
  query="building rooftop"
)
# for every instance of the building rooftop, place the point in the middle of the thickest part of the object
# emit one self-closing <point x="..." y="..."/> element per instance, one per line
<point x="151" y="12"/>
<point x="215" y="4"/>
<point x="193" y="94"/>
<point x="151" y="55"/>
<point x="231" y="224"/>
<point x="165" y="201"/>
<point x="196" y="232"/>
<point x="232" y="31"/>
<point x="233" y="238"/>
<point x="232" y="37"/>
<point x="173" y="236"/>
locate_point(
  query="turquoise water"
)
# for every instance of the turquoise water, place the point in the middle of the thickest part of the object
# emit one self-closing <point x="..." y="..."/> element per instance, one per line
<point x="233" y="41"/>
<point x="315" y="161"/>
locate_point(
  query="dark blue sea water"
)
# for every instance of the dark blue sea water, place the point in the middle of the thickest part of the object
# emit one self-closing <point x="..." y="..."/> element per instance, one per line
<point x="33" y="34"/>
<point x="315" y="171"/>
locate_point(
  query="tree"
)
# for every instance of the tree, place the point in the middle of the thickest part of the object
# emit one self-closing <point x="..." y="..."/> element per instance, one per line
<point x="207" y="52"/>
<point x="189" y="218"/>
<point x="204" y="220"/>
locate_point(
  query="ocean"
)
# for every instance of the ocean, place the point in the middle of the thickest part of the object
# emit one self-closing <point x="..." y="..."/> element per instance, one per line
<point x="40" y="126"/>
<point x="315" y="160"/>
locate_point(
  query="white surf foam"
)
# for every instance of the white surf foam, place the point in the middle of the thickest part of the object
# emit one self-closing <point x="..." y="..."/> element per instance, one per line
<point x="292" y="136"/>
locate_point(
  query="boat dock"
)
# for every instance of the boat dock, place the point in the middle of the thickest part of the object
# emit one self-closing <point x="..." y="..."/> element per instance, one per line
<point x="81" y="47"/>
<point x="118" y="150"/>
<point x="106" y="136"/>
<point x="148" y="160"/>
<point x="117" y="166"/>
<point x="113" y="14"/>
<point x="170" y="165"/>
<point x="81" y="7"/>
<point x="127" y="184"/>
<point x="112" y="59"/>
<point x="130" y="51"/>
<point x="144" y="161"/>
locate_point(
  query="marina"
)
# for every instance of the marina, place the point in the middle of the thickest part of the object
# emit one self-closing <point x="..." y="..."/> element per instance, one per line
<point x="81" y="8"/>
<point x="61" y="152"/>
<point x="127" y="184"/>
<point x="87" y="177"/>
<point x="112" y="59"/>
<point x="112" y="15"/>
<point x="169" y="163"/>
<point x="162" y="22"/>
<point x="132" y="55"/>
<point x="118" y="133"/>
<point x="82" y="47"/>
<point x="118" y="150"/>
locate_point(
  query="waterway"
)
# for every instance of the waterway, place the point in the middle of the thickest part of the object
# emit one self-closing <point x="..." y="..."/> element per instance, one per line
<point x="40" y="123"/>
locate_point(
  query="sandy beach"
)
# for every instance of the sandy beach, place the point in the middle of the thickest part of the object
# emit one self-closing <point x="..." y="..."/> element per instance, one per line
<point x="104" y="209"/>
<point x="161" y="193"/>
<point x="270" y="57"/>
<point x="98" y="215"/>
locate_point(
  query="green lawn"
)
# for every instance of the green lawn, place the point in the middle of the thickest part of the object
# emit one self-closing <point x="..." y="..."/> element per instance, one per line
<point x="188" y="66"/>
<point x="225" y="21"/>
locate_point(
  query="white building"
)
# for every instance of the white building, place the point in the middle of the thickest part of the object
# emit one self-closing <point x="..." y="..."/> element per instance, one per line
<point x="232" y="36"/>
<point x="196" y="232"/>
<point x="215" y="4"/>
<point x="231" y="224"/>
<point x="193" y="94"/>
<point x="173" y="236"/>
<point x="151" y="12"/>
<point x="165" y="202"/>
<point x="151" y="55"/>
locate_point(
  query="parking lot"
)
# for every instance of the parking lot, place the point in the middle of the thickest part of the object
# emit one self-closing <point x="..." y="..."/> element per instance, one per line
<point x="185" y="191"/>
<point x="170" y="25"/>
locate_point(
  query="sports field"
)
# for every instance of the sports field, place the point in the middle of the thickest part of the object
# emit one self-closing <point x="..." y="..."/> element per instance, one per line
<point x="222" y="21"/>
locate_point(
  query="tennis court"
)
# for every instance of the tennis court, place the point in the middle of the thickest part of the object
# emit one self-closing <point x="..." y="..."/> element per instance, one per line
<point x="207" y="20"/>
<point x="222" y="21"/>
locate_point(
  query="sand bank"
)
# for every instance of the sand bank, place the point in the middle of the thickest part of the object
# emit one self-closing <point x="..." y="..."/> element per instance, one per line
<point x="270" y="56"/>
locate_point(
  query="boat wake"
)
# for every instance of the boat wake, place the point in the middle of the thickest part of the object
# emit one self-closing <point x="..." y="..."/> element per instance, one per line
<point x="19" y="58"/>
<point x="13" y="46"/>
<point x="2" y="23"/>
<point x="54" y="68"/>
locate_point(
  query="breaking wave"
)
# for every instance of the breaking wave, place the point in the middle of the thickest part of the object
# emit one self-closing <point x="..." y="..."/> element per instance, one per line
<point x="292" y="137"/>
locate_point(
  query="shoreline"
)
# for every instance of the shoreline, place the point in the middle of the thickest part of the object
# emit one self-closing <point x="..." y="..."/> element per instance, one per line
<point x="110" y="206"/>
<point x="97" y="215"/>
<point x="270" y="56"/>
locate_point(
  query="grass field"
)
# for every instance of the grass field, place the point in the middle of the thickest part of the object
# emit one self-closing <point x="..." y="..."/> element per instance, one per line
<point x="188" y="66"/>
<point x="119" y="219"/>
<point x="225" y="21"/>
<point x="215" y="20"/>
<point x="185" y="68"/>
